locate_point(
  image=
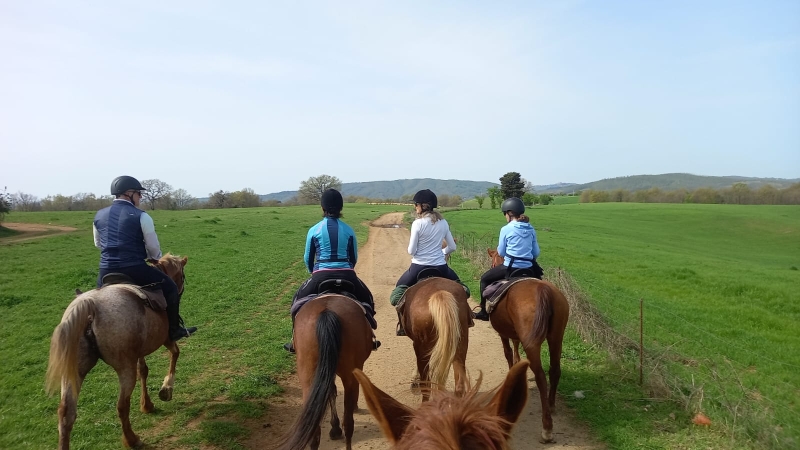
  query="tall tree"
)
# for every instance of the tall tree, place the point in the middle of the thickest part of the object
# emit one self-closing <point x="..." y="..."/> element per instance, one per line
<point x="480" y="199"/>
<point x="311" y="190"/>
<point x="5" y="204"/>
<point x="156" y="190"/>
<point x="494" y="195"/>
<point x="182" y="199"/>
<point x="512" y="185"/>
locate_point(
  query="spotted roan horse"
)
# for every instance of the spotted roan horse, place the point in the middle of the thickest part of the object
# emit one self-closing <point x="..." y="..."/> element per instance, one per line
<point x="113" y="324"/>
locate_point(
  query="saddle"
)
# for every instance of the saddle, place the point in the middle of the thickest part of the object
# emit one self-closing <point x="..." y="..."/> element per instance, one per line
<point x="422" y="278"/>
<point x="151" y="294"/>
<point x="495" y="291"/>
<point x="339" y="287"/>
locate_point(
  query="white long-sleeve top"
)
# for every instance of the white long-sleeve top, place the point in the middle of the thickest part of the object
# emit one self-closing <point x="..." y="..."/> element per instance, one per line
<point x="425" y="246"/>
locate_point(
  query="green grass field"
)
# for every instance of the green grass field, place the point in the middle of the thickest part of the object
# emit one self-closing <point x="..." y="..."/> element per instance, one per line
<point x="720" y="288"/>
<point x="717" y="280"/>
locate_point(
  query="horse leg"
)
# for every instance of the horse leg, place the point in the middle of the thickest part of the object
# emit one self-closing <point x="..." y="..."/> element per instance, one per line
<point x="350" y="405"/>
<point x="336" y="429"/>
<point x="424" y="379"/>
<point x="515" y="344"/>
<point x="534" y="356"/>
<point x="165" y="393"/>
<point x="554" y="344"/>
<point x="460" y="376"/>
<point x="507" y="352"/>
<point x="68" y="407"/>
<point x="127" y="381"/>
<point x="145" y="404"/>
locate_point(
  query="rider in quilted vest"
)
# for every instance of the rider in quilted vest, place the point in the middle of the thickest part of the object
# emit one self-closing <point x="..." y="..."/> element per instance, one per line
<point x="126" y="237"/>
<point x="518" y="246"/>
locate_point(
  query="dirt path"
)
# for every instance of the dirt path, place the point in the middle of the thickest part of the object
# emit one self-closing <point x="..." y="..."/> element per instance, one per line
<point x="381" y="262"/>
<point x="31" y="231"/>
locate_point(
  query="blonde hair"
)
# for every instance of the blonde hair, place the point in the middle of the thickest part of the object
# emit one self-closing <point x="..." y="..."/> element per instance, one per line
<point x="427" y="211"/>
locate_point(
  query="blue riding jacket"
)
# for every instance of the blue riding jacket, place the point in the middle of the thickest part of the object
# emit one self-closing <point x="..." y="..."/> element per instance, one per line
<point x="518" y="239"/>
<point x="330" y="244"/>
<point x="120" y="233"/>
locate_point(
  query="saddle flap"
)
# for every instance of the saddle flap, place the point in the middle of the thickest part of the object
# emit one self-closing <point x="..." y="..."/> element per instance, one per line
<point x="496" y="291"/>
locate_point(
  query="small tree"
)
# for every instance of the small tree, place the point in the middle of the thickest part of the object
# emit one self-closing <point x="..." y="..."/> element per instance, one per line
<point x="512" y="185"/>
<point x="219" y="199"/>
<point x="25" y="202"/>
<point x="5" y="204"/>
<point x="480" y="199"/>
<point x="528" y="199"/>
<point x="545" y="199"/>
<point x="182" y="199"/>
<point x="311" y="190"/>
<point x="494" y="195"/>
<point x="156" y="190"/>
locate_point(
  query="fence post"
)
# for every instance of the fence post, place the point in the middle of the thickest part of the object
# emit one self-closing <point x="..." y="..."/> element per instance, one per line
<point x="641" y="341"/>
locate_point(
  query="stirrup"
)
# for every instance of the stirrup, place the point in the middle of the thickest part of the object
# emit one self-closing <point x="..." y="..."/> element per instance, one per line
<point x="288" y="347"/>
<point x="376" y="344"/>
<point x="400" y="330"/>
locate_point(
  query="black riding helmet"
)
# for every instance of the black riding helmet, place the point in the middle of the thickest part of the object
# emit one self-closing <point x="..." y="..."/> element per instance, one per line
<point x="331" y="201"/>
<point x="122" y="184"/>
<point x="514" y="205"/>
<point x="426" y="196"/>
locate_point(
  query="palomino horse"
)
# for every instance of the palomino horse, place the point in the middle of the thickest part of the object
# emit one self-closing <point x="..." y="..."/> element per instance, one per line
<point x="530" y="312"/>
<point x="450" y="422"/>
<point x="436" y="318"/>
<point x="331" y="337"/>
<point x="113" y="324"/>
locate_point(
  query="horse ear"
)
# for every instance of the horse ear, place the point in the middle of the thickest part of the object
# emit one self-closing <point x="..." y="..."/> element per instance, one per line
<point x="491" y="251"/>
<point x="392" y="416"/>
<point x="184" y="260"/>
<point x="510" y="400"/>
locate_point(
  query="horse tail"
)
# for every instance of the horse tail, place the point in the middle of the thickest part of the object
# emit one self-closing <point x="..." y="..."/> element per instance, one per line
<point x="323" y="390"/>
<point x="63" y="364"/>
<point x="544" y="312"/>
<point x="444" y="311"/>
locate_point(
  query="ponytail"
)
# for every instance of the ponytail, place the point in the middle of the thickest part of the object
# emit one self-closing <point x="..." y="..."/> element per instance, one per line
<point x="520" y="218"/>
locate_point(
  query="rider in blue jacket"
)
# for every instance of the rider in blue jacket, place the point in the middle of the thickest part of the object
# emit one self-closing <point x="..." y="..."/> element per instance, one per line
<point x="126" y="237"/>
<point x="518" y="246"/>
<point x="331" y="253"/>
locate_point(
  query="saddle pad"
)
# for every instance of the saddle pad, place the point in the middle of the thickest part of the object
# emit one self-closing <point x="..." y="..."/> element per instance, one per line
<point x="401" y="305"/>
<point x="494" y="292"/>
<point x="152" y="298"/>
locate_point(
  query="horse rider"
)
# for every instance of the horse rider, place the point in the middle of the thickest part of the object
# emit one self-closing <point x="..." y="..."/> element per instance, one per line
<point x="517" y="245"/>
<point x="127" y="238"/>
<point x="331" y="253"/>
<point x="428" y="231"/>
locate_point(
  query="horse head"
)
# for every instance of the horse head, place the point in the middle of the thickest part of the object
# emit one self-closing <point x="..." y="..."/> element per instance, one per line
<point x="172" y="265"/>
<point x="475" y="421"/>
<point x="497" y="260"/>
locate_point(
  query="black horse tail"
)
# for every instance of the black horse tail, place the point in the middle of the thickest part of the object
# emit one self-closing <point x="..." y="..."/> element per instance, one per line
<point x="323" y="390"/>
<point x="544" y="312"/>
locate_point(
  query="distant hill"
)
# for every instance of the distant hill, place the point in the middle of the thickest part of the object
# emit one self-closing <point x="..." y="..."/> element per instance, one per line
<point x="398" y="188"/>
<point x="671" y="181"/>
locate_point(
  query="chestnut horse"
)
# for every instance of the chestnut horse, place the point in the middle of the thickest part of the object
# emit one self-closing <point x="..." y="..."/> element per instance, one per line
<point x="450" y="422"/>
<point x="331" y="337"/>
<point x="436" y="318"/>
<point x="124" y="332"/>
<point x="531" y="312"/>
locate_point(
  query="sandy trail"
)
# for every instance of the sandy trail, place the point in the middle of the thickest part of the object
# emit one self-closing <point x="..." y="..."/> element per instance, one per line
<point x="381" y="262"/>
<point x="32" y="231"/>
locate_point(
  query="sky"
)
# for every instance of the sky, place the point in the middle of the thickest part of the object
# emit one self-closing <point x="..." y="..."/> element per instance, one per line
<point x="210" y="96"/>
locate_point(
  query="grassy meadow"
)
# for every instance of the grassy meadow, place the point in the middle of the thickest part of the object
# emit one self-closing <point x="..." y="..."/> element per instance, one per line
<point x="722" y="308"/>
<point x="719" y="284"/>
<point x="244" y="266"/>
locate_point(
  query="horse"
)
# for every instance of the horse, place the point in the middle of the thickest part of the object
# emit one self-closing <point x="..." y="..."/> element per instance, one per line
<point x="451" y="422"/>
<point x="436" y="318"/>
<point x="531" y="312"/>
<point x="331" y="337"/>
<point x="113" y="324"/>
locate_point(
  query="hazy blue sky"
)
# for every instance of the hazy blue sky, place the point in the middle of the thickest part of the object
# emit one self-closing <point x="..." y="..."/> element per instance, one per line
<point x="227" y="95"/>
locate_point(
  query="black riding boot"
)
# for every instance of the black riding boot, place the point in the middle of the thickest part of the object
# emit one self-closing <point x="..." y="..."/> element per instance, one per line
<point x="176" y="328"/>
<point x="482" y="314"/>
<point x="400" y="330"/>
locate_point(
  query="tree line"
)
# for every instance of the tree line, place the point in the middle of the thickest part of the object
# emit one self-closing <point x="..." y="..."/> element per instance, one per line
<point x="738" y="194"/>
<point x="513" y="185"/>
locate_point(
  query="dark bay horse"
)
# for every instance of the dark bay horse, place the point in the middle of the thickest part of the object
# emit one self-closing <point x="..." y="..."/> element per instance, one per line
<point x="436" y="318"/>
<point x="331" y="337"/>
<point x="450" y="422"/>
<point x="531" y="312"/>
<point x="124" y="332"/>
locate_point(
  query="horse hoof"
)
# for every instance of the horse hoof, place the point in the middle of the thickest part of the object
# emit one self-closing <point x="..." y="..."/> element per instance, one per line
<point x="415" y="388"/>
<point x="165" y="394"/>
<point x="547" y="437"/>
<point x="148" y="408"/>
<point x="335" y="435"/>
<point x="137" y="444"/>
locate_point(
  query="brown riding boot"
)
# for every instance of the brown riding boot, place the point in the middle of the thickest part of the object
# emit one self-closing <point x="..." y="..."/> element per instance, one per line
<point x="400" y="330"/>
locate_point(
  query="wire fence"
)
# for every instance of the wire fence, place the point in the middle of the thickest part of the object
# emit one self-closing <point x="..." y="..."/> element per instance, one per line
<point x="675" y="365"/>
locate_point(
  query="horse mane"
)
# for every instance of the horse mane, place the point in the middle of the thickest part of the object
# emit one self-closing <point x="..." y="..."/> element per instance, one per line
<point x="450" y="422"/>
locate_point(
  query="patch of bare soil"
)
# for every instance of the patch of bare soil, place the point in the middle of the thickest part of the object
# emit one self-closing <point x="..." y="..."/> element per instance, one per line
<point x="31" y="231"/>
<point x="381" y="262"/>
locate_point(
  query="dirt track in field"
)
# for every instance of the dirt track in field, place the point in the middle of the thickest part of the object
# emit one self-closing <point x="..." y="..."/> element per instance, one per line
<point x="30" y="231"/>
<point x="381" y="262"/>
